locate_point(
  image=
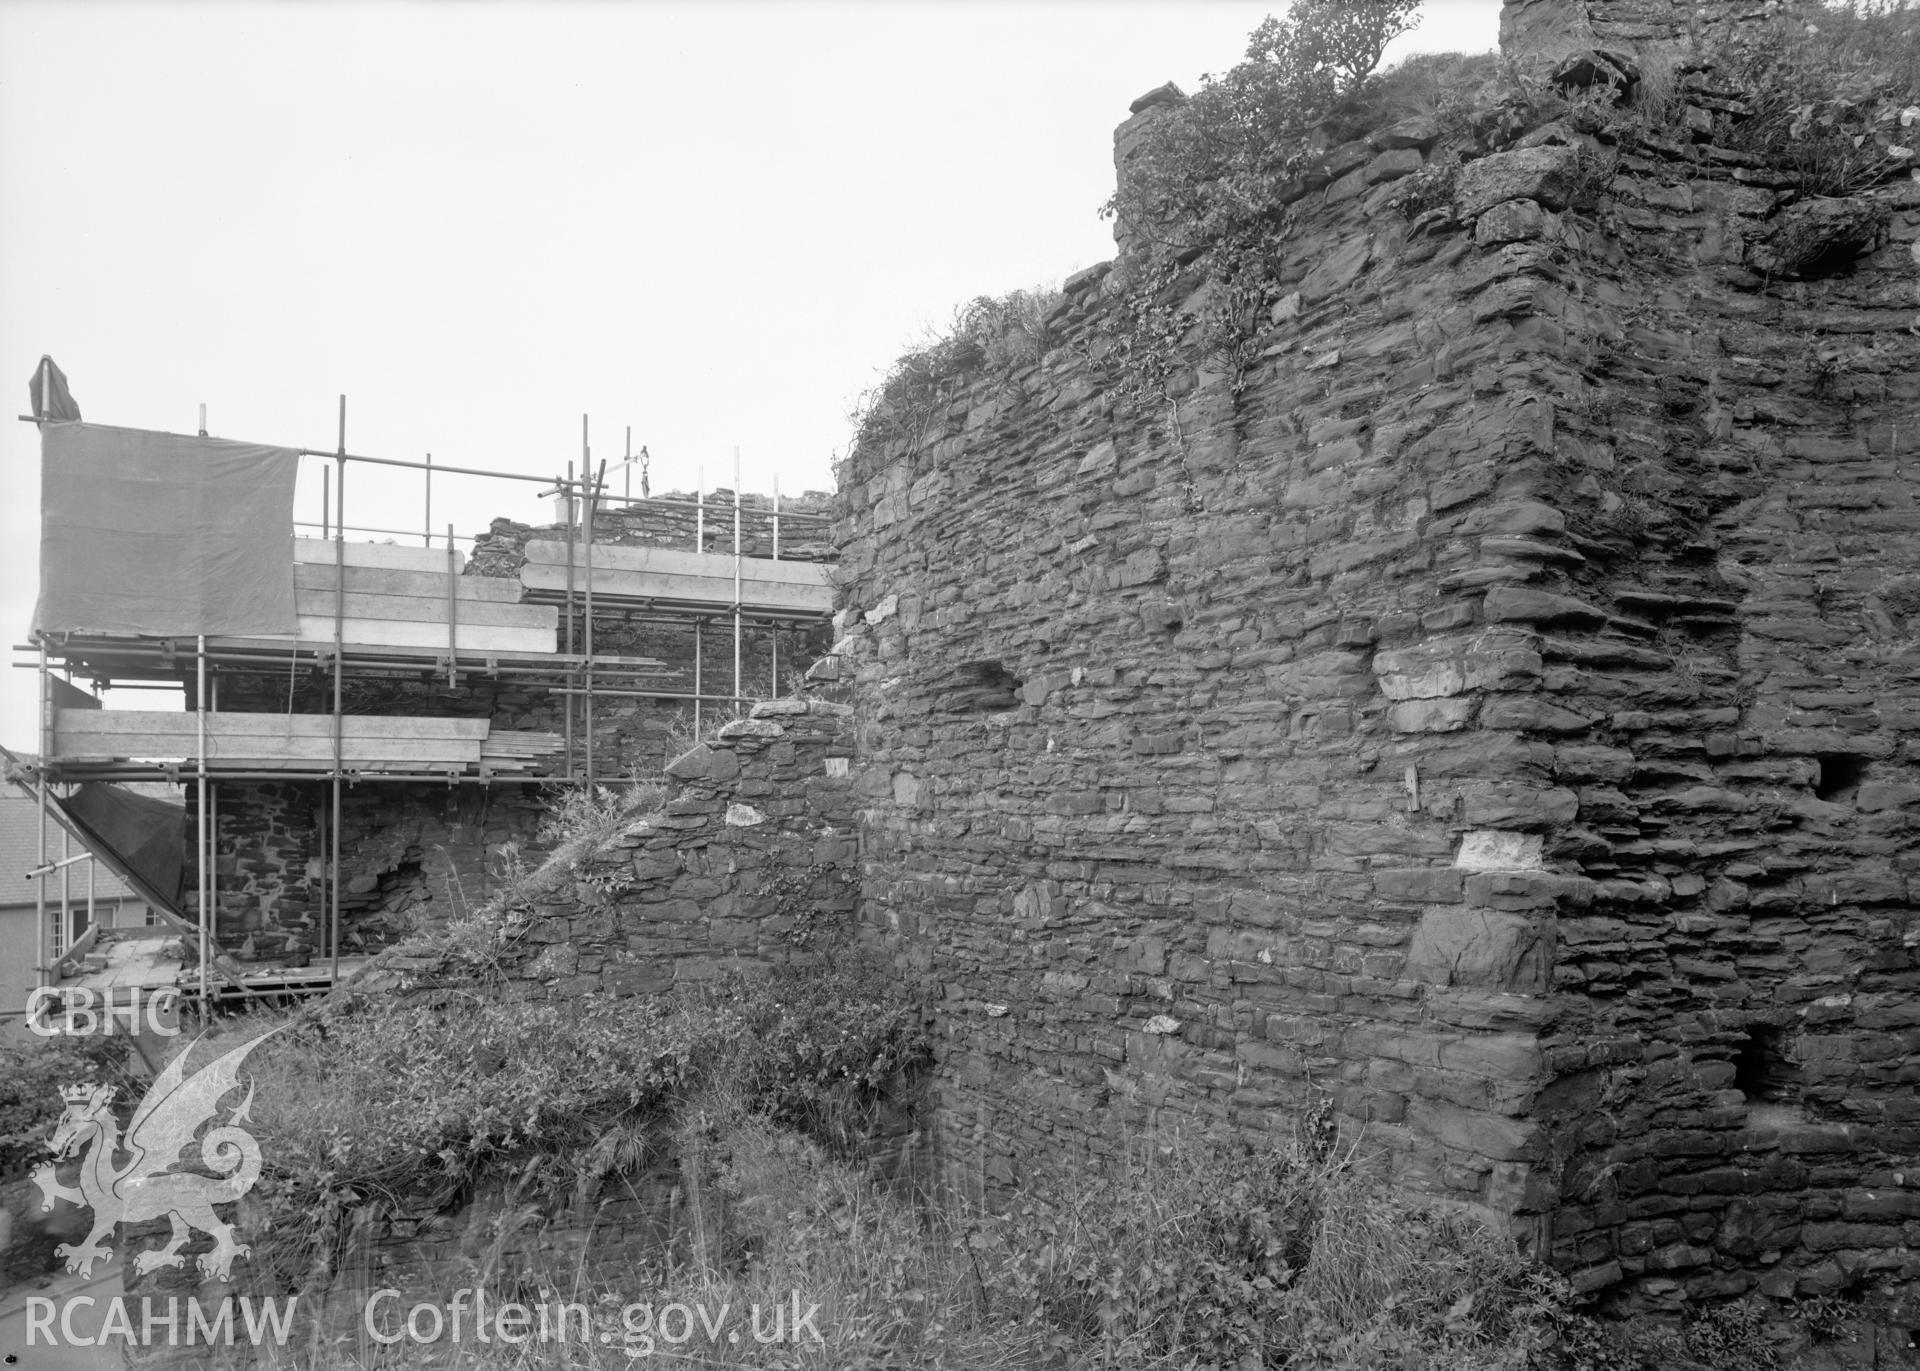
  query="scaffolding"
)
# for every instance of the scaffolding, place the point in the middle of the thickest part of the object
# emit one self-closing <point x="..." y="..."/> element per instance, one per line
<point x="576" y="583"/>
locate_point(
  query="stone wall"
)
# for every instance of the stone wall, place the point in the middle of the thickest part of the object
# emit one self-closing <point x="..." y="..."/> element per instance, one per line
<point x="411" y="855"/>
<point x="757" y="833"/>
<point x="1735" y="1049"/>
<point x="677" y="520"/>
<point x="1650" y="29"/>
<point x="1494" y="712"/>
<point x="748" y="864"/>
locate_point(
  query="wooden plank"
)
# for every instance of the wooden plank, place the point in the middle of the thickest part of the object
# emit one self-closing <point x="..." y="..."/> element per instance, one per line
<point x="527" y="743"/>
<point x="671" y="561"/>
<point x="267" y="738"/>
<point x="470" y="658"/>
<point x="387" y="581"/>
<point x="426" y="609"/>
<point x="320" y="551"/>
<point x="318" y="631"/>
<point x="236" y="724"/>
<point x="710" y="590"/>
<point x="254" y="748"/>
<point x="320" y="766"/>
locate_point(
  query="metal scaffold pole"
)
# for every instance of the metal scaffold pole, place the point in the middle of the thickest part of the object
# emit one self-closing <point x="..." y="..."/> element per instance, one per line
<point x="773" y="630"/>
<point x="699" y="545"/>
<point x="736" y="579"/>
<point x="200" y="830"/>
<point x="43" y="962"/>
<point x="593" y="504"/>
<point x="567" y="500"/>
<point x="586" y="631"/>
<point x="339" y="692"/>
<point x="453" y="613"/>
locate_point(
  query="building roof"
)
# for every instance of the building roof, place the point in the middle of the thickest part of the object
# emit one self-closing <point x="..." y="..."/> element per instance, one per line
<point x="20" y="853"/>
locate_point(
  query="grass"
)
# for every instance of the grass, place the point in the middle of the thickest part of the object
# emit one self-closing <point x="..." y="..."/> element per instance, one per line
<point x="1158" y="1265"/>
<point x="1834" y="99"/>
<point x="989" y="335"/>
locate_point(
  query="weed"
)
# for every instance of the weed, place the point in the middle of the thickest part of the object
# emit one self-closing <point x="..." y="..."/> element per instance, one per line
<point x="686" y="732"/>
<point x="989" y="334"/>
<point x="807" y="901"/>
<point x="1836" y="100"/>
<point x="32" y="1071"/>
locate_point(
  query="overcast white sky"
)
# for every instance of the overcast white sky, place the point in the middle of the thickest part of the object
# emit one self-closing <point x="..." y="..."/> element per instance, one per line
<point x="717" y="223"/>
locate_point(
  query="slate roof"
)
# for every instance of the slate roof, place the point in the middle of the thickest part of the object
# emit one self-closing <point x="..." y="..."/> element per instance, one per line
<point x="20" y="853"/>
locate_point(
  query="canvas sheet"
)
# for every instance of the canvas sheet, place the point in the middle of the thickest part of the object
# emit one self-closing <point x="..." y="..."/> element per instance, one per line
<point x="141" y="838"/>
<point x="163" y="534"/>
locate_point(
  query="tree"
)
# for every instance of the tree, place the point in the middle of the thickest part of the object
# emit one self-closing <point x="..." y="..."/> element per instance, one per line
<point x="1344" y="37"/>
<point x="1213" y="168"/>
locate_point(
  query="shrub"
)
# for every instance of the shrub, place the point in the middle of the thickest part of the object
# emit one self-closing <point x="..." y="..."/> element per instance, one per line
<point x="818" y="1049"/>
<point x="1836" y="99"/>
<point x="32" y="1071"/>
<point x="404" y="1104"/>
<point x="1285" y="1255"/>
<point x="995" y="334"/>
<point x="1217" y="168"/>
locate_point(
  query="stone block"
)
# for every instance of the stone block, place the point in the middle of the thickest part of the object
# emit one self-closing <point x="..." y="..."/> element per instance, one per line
<point x="1530" y="713"/>
<point x="1528" y="890"/>
<point x="1526" y="605"/>
<point x="1514" y="221"/>
<point x="704" y="763"/>
<point x="1549" y="175"/>
<point x="1101" y="460"/>
<point x="1421" y="885"/>
<point x="1491" y="1136"/>
<point x="1416" y="131"/>
<point x="1517" y="804"/>
<point x="1453" y="666"/>
<point x="1337" y="270"/>
<point x="1392" y="165"/>
<point x="1491" y="949"/>
<point x="1431" y="716"/>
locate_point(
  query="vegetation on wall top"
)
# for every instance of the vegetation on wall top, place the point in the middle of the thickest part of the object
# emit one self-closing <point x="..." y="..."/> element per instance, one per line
<point x="1220" y="166"/>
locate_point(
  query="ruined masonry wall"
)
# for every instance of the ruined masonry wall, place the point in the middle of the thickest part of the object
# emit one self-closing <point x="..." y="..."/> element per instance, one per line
<point x="748" y="864"/>
<point x="1499" y="717"/>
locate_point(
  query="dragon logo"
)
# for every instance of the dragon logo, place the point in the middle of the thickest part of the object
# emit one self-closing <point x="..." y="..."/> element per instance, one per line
<point x="146" y="1186"/>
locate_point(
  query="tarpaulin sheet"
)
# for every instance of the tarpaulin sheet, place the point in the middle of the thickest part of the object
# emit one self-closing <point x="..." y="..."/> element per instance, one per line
<point x="162" y="534"/>
<point x="143" y="839"/>
<point x="48" y="393"/>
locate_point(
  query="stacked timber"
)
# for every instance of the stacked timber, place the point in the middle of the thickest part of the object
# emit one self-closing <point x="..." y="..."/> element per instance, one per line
<point x="300" y="742"/>
<point x="297" y="742"/>
<point x="517" y="750"/>
<point x="678" y="580"/>
<point x="411" y="597"/>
